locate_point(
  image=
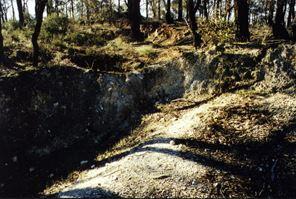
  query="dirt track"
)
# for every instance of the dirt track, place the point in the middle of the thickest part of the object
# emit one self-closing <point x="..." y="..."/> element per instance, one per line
<point x="237" y="145"/>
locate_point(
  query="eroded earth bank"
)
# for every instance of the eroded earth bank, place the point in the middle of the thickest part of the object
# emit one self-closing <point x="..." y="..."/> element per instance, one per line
<point x="219" y="123"/>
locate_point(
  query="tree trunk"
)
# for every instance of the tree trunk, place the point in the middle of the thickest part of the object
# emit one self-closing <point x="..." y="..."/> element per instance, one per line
<point x="279" y="30"/>
<point x="270" y="12"/>
<point x="135" y="19"/>
<point x="147" y="9"/>
<point x="39" y="9"/>
<point x="12" y="7"/>
<point x="205" y="9"/>
<point x="21" y="13"/>
<point x="119" y="6"/>
<point x="192" y="9"/>
<point x="242" y="20"/>
<point x="72" y="9"/>
<point x="291" y="15"/>
<point x="180" y="10"/>
<point x="159" y="9"/>
<point x="1" y="36"/>
<point x="168" y="15"/>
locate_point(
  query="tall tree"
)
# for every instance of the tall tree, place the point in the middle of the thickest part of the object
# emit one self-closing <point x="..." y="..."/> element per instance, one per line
<point x="21" y="13"/>
<point x="180" y="10"/>
<point x="168" y="15"/>
<point x="279" y="29"/>
<point x="291" y="14"/>
<point x="159" y="10"/>
<point x="39" y="9"/>
<point x="1" y="36"/>
<point x="12" y="9"/>
<point x="242" y="20"/>
<point x="270" y="12"/>
<point x="192" y="8"/>
<point x="205" y="9"/>
<point x="135" y="18"/>
<point x="72" y="9"/>
<point x="147" y="9"/>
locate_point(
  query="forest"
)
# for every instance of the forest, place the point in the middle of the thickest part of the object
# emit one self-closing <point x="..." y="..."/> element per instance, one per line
<point x="148" y="99"/>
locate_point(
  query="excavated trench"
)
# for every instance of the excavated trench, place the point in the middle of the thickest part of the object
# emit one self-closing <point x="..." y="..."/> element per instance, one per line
<point x="53" y="117"/>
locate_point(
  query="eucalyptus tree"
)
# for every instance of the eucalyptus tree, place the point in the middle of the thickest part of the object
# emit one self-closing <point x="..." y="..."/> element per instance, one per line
<point x="39" y="10"/>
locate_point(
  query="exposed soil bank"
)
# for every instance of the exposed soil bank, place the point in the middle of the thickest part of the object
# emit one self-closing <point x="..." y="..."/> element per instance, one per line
<point x="51" y="118"/>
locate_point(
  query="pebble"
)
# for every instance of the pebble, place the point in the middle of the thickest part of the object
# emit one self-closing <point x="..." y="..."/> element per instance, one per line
<point x="260" y="169"/>
<point x="31" y="169"/>
<point x="92" y="166"/>
<point x="51" y="175"/>
<point x="172" y="142"/>
<point x="194" y="182"/>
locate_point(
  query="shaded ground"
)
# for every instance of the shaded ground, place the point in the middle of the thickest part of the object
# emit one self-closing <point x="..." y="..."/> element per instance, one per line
<point x="237" y="145"/>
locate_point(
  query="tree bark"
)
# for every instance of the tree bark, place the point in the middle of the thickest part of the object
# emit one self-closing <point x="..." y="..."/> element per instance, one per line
<point x="242" y="20"/>
<point x="192" y="9"/>
<point x="159" y="9"/>
<point x="205" y="9"/>
<point x="270" y="12"/>
<point x="1" y="36"/>
<point x="72" y="9"/>
<point x="119" y="9"/>
<point x="21" y="13"/>
<point x="180" y="10"/>
<point x="168" y="15"/>
<point x="39" y="9"/>
<point x="278" y="28"/>
<point x="135" y="19"/>
<point x="12" y="7"/>
<point x="147" y="9"/>
<point x="291" y="15"/>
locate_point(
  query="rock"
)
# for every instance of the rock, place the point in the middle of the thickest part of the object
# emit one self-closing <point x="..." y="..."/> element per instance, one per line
<point x="172" y="142"/>
<point x="32" y="169"/>
<point x="194" y="182"/>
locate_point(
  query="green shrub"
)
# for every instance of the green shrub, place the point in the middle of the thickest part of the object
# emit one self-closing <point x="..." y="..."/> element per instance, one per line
<point x="84" y="38"/>
<point x="11" y="25"/>
<point x="55" y="25"/>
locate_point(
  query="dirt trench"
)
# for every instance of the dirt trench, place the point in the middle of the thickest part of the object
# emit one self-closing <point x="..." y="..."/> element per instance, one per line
<point x="54" y="121"/>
